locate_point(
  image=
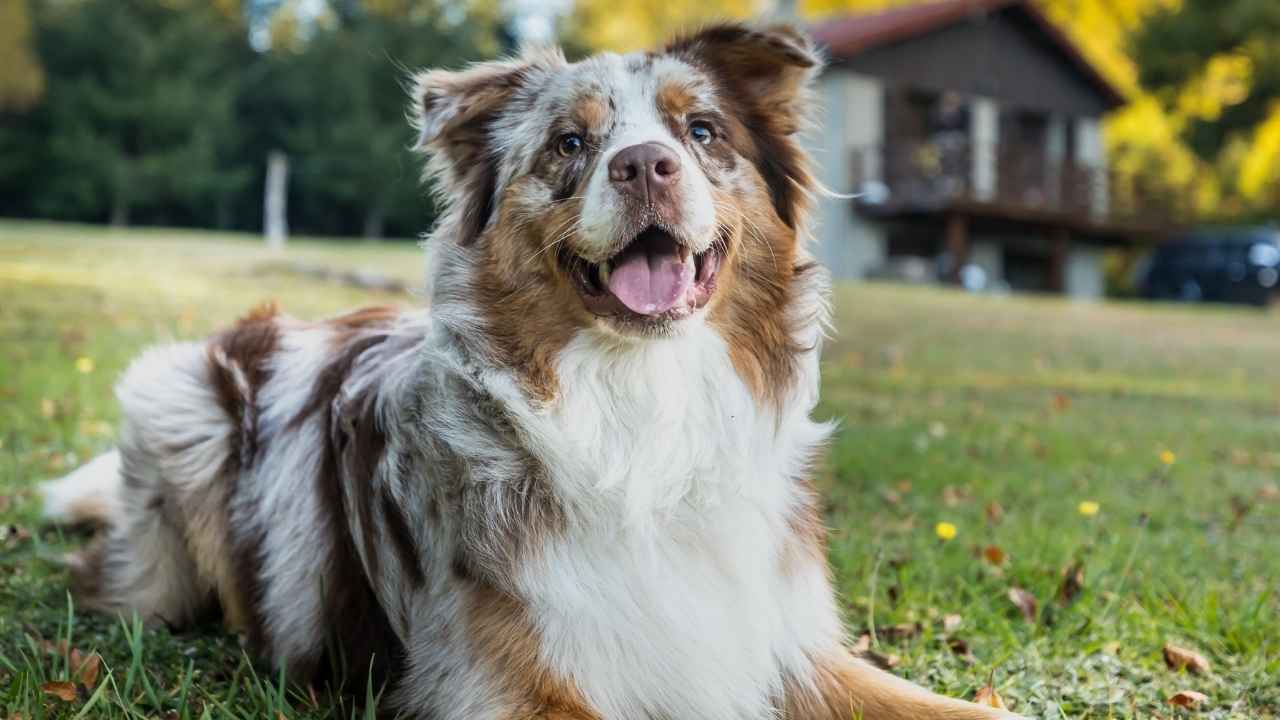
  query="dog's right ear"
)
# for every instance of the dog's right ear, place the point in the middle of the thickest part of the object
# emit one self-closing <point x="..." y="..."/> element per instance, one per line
<point x="454" y="114"/>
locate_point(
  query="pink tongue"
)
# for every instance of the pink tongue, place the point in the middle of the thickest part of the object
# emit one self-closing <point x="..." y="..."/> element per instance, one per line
<point x="651" y="281"/>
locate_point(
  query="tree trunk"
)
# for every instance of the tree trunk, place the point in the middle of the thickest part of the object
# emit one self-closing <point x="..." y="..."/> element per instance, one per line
<point x="374" y="220"/>
<point x="119" y="213"/>
<point x="275" y="222"/>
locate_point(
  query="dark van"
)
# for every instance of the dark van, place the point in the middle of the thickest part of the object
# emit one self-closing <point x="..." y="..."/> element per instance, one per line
<point x="1229" y="265"/>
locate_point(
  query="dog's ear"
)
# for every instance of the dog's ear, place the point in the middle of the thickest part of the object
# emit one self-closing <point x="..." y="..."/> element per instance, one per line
<point x="454" y="113"/>
<point x="769" y="69"/>
<point x="766" y="76"/>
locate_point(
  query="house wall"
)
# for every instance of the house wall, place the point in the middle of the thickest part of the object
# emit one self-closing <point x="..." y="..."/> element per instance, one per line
<point x="1084" y="278"/>
<point x="852" y="130"/>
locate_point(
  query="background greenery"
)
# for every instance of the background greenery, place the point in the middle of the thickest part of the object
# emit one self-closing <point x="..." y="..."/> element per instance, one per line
<point x="1133" y="443"/>
<point x="162" y="112"/>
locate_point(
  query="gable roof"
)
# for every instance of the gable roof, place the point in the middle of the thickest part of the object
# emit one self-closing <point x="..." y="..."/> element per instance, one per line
<point x="848" y="36"/>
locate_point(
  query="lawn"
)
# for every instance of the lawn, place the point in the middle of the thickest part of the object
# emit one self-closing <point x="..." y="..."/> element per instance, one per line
<point x="1117" y="463"/>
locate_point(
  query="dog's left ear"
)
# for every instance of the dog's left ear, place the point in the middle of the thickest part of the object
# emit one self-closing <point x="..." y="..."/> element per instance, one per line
<point x="455" y="113"/>
<point x="770" y="69"/>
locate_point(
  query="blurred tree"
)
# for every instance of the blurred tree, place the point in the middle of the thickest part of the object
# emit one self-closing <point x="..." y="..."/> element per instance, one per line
<point x="638" y="24"/>
<point x="21" y="76"/>
<point x="336" y="102"/>
<point x="1215" y="63"/>
<point x="139" y="117"/>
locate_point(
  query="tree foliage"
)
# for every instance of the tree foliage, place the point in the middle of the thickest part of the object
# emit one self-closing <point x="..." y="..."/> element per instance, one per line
<point x="162" y="111"/>
<point x="21" y="76"/>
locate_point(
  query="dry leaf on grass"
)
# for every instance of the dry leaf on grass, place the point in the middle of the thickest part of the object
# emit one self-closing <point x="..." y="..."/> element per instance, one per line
<point x="895" y="633"/>
<point x="85" y="669"/>
<point x="1178" y="658"/>
<point x="951" y="622"/>
<point x="988" y="696"/>
<point x="994" y="512"/>
<point x="1072" y="582"/>
<point x="64" y="691"/>
<point x="1188" y="698"/>
<point x="1025" y="602"/>
<point x="994" y="554"/>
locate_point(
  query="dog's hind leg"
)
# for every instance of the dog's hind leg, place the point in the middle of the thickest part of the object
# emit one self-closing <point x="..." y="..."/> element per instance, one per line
<point x="162" y="493"/>
<point x="141" y="562"/>
<point x="90" y="495"/>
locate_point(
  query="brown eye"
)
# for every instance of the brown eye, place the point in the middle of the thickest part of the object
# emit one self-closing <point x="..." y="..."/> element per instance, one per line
<point x="701" y="132"/>
<point x="570" y="144"/>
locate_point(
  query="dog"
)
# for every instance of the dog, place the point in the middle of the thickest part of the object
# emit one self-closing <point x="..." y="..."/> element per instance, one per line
<point x="577" y="486"/>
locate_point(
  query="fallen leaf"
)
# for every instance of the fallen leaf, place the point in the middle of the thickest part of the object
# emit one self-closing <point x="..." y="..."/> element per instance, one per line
<point x="1178" y="658"/>
<point x="1061" y="402"/>
<point x="1025" y="602"/>
<point x="896" y="633"/>
<point x="86" y="669"/>
<point x="1072" y="582"/>
<point x="953" y="496"/>
<point x="1270" y="491"/>
<point x="1239" y="508"/>
<point x="64" y="691"/>
<point x="988" y="696"/>
<point x="960" y="647"/>
<point x="1188" y="698"/>
<point x="993" y="554"/>
<point x="951" y="622"/>
<point x="995" y="513"/>
<point x="862" y="645"/>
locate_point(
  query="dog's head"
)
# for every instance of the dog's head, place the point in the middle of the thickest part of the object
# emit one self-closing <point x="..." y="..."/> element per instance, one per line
<point x="637" y="193"/>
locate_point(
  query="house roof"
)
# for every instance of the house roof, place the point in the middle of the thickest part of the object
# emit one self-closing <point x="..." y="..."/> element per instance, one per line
<point x="848" y="36"/>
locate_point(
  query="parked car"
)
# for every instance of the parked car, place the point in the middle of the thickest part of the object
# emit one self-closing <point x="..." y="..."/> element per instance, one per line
<point x="1230" y="265"/>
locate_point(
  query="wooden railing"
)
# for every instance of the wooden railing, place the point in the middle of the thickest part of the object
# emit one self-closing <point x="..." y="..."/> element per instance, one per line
<point x="926" y="175"/>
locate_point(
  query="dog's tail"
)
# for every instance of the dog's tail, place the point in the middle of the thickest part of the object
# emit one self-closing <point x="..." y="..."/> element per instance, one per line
<point x="89" y="495"/>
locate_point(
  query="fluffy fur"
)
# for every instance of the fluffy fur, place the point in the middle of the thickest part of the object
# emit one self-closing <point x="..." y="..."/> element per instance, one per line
<point x="528" y="501"/>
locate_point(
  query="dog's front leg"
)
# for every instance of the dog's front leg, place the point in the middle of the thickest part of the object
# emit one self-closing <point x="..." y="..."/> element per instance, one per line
<point x="843" y="687"/>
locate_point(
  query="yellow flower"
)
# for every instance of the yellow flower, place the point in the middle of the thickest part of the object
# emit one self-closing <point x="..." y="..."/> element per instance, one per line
<point x="1088" y="507"/>
<point x="1167" y="457"/>
<point x="84" y="365"/>
<point x="945" y="530"/>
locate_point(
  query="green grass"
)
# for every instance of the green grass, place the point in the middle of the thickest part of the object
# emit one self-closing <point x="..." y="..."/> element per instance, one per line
<point x="950" y="405"/>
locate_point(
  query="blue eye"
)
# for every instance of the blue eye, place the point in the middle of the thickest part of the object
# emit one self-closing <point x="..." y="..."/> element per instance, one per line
<point x="701" y="132"/>
<point x="570" y="144"/>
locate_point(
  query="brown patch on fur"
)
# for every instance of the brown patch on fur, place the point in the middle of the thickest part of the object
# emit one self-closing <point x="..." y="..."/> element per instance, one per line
<point x="532" y="311"/>
<point x="239" y="365"/>
<point x="842" y="687"/>
<point x="675" y="99"/>
<point x="756" y="287"/>
<point x="88" y="573"/>
<point x="505" y="638"/>
<point x="590" y="112"/>
<point x="361" y="638"/>
<point x="92" y="511"/>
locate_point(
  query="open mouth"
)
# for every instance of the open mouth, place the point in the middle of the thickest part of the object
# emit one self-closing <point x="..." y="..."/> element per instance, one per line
<point x="654" y="277"/>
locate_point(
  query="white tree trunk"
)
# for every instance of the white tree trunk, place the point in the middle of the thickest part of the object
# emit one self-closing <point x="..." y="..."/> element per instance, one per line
<point x="275" y="221"/>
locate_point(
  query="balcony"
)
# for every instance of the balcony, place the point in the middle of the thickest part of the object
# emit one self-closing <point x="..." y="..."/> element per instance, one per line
<point x="1011" y="181"/>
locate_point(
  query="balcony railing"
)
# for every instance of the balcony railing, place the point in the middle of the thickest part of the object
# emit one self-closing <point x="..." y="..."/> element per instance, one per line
<point x="935" y="175"/>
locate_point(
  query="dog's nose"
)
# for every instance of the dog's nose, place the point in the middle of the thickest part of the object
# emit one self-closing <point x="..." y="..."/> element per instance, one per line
<point x="646" y="171"/>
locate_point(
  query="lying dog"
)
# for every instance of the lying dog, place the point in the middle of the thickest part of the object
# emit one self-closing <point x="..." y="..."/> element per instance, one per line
<point x="577" y="488"/>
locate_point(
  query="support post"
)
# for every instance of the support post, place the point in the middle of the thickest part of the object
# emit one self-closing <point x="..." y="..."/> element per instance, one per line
<point x="275" y="221"/>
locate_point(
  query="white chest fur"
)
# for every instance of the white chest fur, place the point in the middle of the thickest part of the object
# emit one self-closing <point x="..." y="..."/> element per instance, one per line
<point x="666" y="597"/>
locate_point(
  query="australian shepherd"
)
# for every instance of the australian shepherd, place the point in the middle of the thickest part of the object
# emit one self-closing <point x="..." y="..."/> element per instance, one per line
<point x="578" y="486"/>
